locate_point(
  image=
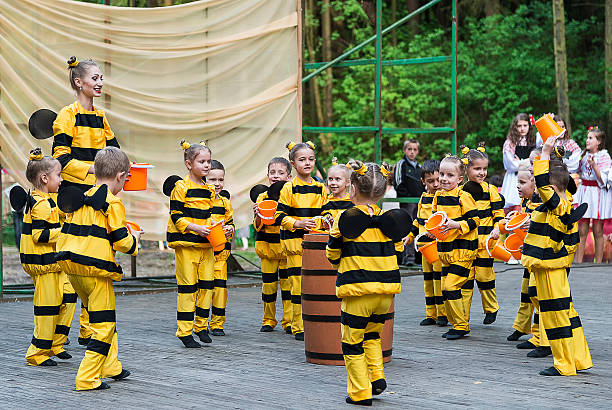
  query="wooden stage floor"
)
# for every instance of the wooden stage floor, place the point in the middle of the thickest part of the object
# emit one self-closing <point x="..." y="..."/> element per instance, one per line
<point x="251" y="370"/>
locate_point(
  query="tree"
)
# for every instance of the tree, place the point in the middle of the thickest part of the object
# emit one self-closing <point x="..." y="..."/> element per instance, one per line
<point x="608" y="66"/>
<point x="561" y="61"/>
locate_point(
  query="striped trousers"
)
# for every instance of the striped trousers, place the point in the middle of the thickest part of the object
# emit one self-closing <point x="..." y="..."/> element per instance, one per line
<point x="432" y="286"/>
<point x="274" y="271"/>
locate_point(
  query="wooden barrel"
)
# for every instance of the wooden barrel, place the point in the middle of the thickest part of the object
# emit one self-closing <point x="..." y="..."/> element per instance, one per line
<point x="321" y="307"/>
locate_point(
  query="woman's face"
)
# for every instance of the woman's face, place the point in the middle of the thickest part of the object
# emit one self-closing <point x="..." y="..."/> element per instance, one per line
<point x="91" y="83"/>
<point x="522" y="127"/>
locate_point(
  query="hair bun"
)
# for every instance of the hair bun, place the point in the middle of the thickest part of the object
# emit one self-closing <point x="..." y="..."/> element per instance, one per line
<point x="72" y="62"/>
<point x="36" y="154"/>
<point x="310" y="144"/>
<point x="290" y="145"/>
<point x="185" y="145"/>
<point x="464" y="149"/>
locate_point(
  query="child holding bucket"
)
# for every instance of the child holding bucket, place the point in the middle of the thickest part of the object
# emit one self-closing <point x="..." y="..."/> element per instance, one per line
<point x="435" y="313"/>
<point x="273" y="258"/>
<point x="490" y="211"/>
<point x="191" y="202"/>
<point x="221" y="213"/>
<point x="300" y="202"/>
<point x="338" y="180"/>
<point x="457" y="241"/>
<point x="594" y="168"/>
<point x="548" y="253"/>
<point x="364" y="245"/>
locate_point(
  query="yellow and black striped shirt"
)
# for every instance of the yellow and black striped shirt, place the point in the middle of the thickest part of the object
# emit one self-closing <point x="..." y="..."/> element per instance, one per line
<point x="298" y="200"/>
<point x="367" y="264"/>
<point x="335" y="206"/>
<point x="490" y="211"/>
<point x="90" y="238"/>
<point x="40" y="232"/>
<point x="424" y="211"/>
<point x="78" y="136"/>
<point x="528" y="205"/>
<point x="462" y="245"/>
<point x="222" y="211"/>
<point x="551" y="241"/>
<point x="189" y="203"/>
<point x="267" y="237"/>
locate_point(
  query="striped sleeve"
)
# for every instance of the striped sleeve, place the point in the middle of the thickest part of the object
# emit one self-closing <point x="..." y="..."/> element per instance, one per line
<point x="62" y="142"/>
<point x="333" y="251"/>
<point x="229" y="214"/>
<point x="177" y="203"/>
<point x="111" y="141"/>
<point x="399" y="250"/>
<point x="546" y="192"/>
<point x="284" y="204"/>
<point x="121" y="239"/>
<point x="470" y="220"/>
<point x="44" y="230"/>
<point x="497" y="204"/>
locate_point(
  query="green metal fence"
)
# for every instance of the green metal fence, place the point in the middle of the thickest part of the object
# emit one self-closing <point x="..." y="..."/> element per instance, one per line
<point x="377" y="128"/>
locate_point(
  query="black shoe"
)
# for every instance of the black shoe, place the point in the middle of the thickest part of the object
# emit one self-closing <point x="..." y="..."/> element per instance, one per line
<point x="540" y="351"/>
<point x="551" y="371"/>
<point x="48" y="362"/>
<point x="84" y="341"/>
<point x="445" y="334"/>
<point x="124" y="373"/>
<point x="266" y="329"/>
<point x="366" y="402"/>
<point x="217" y="332"/>
<point x="456" y="334"/>
<point x="204" y="337"/>
<point x="288" y="330"/>
<point x="427" y="322"/>
<point x="67" y="342"/>
<point x="515" y="336"/>
<point x="299" y="336"/>
<point x="442" y="321"/>
<point x="526" y="345"/>
<point x="189" y="342"/>
<point x="490" y="318"/>
<point x="102" y="386"/>
<point x="63" y="355"/>
<point x="378" y="386"/>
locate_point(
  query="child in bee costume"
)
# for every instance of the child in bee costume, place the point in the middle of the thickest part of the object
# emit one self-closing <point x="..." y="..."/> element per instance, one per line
<point x="338" y="199"/>
<point x="54" y="297"/>
<point x="365" y="244"/>
<point x="94" y="231"/>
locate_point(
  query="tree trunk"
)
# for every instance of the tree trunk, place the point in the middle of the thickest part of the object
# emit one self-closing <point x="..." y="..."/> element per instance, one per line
<point x="327" y="56"/>
<point x="608" y="67"/>
<point x="492" y="7"/>
<point x="561" y="62"/>
<point x="393" y="19"/>
<point x="312" y="57"/>
<point x="413" y="23"/>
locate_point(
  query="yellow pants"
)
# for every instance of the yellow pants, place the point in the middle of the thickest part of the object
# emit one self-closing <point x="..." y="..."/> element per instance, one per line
<point x="294" y="271"/>
<point x="84" y="330"/>
<point x="363" y="318"/>
<point x="195" y="279"/>
<point x="522" y="322"/>
<point x="54" y="305"/>
<point x="538" y="338"/>
<point x="101" y="357"/>
<point x="561" y="322"/>
<point x="432" y="285"/>
<point x="220" y="294"/>
<point x="456" y="276"/>
<point x="483" y="273"/>
<point x="274" y="271"/>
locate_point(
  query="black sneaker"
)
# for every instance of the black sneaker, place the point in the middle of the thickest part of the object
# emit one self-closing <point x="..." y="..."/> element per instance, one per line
<point x="64" y="355"/>
<point x="378" y="386"/>
<point x="551" y="371"/>
<point x="48" y="362"/>
<point x="124" y="373"/>
<point x="490" y="318"/>
<point x="442" y="321"/>
<point x="102" y="386"/>
<point x="266" y="328"/>
<point x="366" y="402"/>
<point x="299" y="336"/>
<point x="515" y="336"/>
<point x="540" y="351"/>
<point x="526" y="345"/>
<point x="427" y="322"/>
<point x="288" y="330"/>
<point x="84" y="341"/>
<point x="67" y="342"/>
<point x="189" y="342"/>
<point x="217" y="332"/>
<point x="445" y="334"/>
<point x="456" y="334"/>
<point x="204" y="337"/>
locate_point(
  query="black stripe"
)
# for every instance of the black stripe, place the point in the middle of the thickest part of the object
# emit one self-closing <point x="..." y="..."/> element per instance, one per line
<point x="554" y="305"/>
<point x="371" y="336"/>
<point x="295" y="271"/>
<point x="525" y="274"/>
<point x="217" y="210"/>
<point x="483" y="262"/>
<point x="303" y="212"/>
<point x="484" y="229"/>
<point x="84" y="154"/>
<point x="269" y="277"/>
<point x="486" y="285"/>
<point x="118" y="234"/>
<point x="525" y="298"/>
<point x="268" y="237"/>
<point x="89" y="120"/>
<point x="83" y="187"/>
<point x="185" y="316"/>
<point x="485" y="213"/>
<point x="33" y="259"/>
<point x="202" y="312"/>
<point x="564" y="332"/>
<point x="456" y="270"/>
<point x="467" y="244"/>
<point x="199" y="193"/>
<point x="297" y="234"/>
<point x="471" y="223"/>
<point x="321" y="318"/>
<point x="185" y="237"/>
<point x="69" y="298"/>
<point x="44" y="236"/>
<point x="42" y="343"/>
<point x="62" y="330"/>
<point x="352" y="349"/>
<point x="296" y="299"/>
<point x="543" y="254"/>
<point x="285" y="295"/>
<point x="447" y="200"/>
<point x="336" y="205"/>
<point x="86" y="230"/>
<point x="532" y="292"/>
<point x="430" y="300"/>
<point x="133" y="247"/>
<point x="220" y="283"/>
<point x="542" y="180"/>
<point x="368" y="249"/>
<point x="307" y="189"/>
<point x="46" y="310"/>
<point x="112" y="143"/>
<point x="102" y="316"/>
<point x="320" y="298"/>
<point x="334" y="242"/>
<point x="427" y="275"/>
<point x="218" y="311"/>
<point x="468" y="284"/>
<point x="89" y="261"/>
<point x="98" y="346"/>
<point x="62" y="140"/>
<point x="196" y="213"/>
<point x="452" y="294"/>
<point x="268" y="298"/>
<point x="536" y="318"/>
<point x="187" y="288"/>
<point x="427" y="200"/>
<point x="205" y="284"/>
<point x="368" y="276"/>
<point x="42" y="224"/>
<point x="336" y="356"/>
<point x="319" y="246"/>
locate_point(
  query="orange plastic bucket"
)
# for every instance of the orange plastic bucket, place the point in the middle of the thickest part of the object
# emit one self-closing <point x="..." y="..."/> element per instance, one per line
<point x="513" y="243"/>
<point x="133" y="226"/>
<point x="516" y="225"/>
<point x="429" y="250"/>
<point x="502" y="224"/>
<point x="435" y="223"/>
<point x="266" y="210"/>
<point x="547" y="127"/>
<point x="137" y="180"/>
<point x="216" y="237"/>
<point x="497" y="251"/>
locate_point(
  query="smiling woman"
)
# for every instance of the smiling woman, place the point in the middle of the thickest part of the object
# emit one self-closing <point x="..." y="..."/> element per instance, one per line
<point x="80" y="130"/>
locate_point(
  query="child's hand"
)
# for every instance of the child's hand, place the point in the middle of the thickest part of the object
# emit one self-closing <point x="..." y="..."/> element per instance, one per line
<point x="255" y="208"/>
<point x="308" y="224"/>
<point x="495" y="232"/>
<point x="328" y="220"/>
<point x="202" y="230"/>
<point x="430" y="235"/>
<point x="137" y="234"/>
<point x="609" y="237"/>
<point x="591" y="161"/>
<point x="406" y="240"/>
<point x="450" y="224"/>
<point x="228" y="230"/>
<point x="548" y="147"/>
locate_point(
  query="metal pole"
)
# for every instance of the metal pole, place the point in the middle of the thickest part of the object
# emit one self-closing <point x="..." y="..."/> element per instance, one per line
<point x="454" y="78"/>
<point x="378" y="103"/>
